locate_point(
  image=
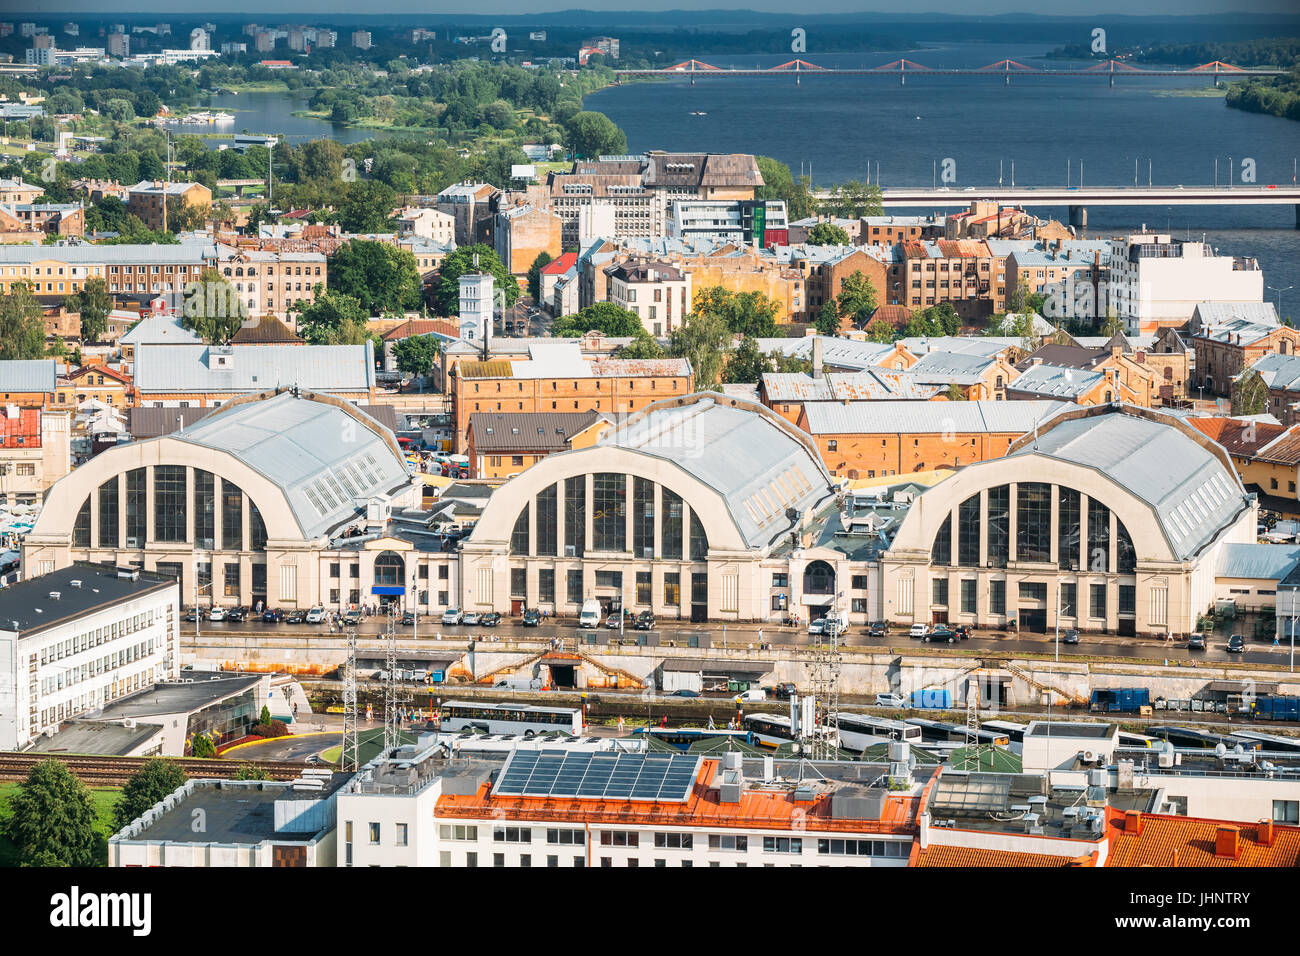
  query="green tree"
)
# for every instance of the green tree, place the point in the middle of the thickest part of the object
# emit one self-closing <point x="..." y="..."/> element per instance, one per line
<point x="325" y="320"/>
<point x="368" y="207"/>
<point x="93" y="303"/>
<point x="828" y="320"/>
<point x="446" y="291"/>
<point x="642" y="347"/>
<point x="52" y="818"/>
<point x="379" y="276"/>
<point x="604" y="317"/>
<point x="853" y="200"/>
<point x="857" y="300"/>
<point x="1113" y="325"/>
<point x="250" y="771"/>
<point x="879" y="330"/>
<point x="535" y="274"/>
<point x="212" y="308"/>
<point x="1249" y="394"/>
<point x="119" y="110"/>
<point x="589" y="134"/>
<point x="202" y="746"/>
<point x="149" y="785"/>
<point x="745" y="313"/>
<point x="747" y="363"/>
<point x="828" y="234"/>
<point x="22" y="328"/>
<point x="778" y="183"/>
<point x="954" y="393"/>
<point x="703" y="339"/>
<point x="265" y="716"/>
<point x="416" y="354"/>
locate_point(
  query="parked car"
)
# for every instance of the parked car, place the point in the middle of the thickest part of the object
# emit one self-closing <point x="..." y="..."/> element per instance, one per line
<point x="613" y="621"/>
<point x="1236" y="644"/>
<point x="1071" y="636"/>
<point x="192" y="615"/>
<point x="532" y="617"/>
<point x="235" y="614"/>
<point x="408" y="618"/>
<point x="296" y="617"/>
<point x="784" y="690"/>
<point x="452" y="616"/>
<point x="1196" y="642"/>
<point x="754" y="693"/>
<point x="316" y="615"/>
<point x="471" y="618"/>
<point x="918" y="630"/>
<point x="490" y="619"/>
<point x="216" y="613"/>
<point x="272" y="615"/>
<point x="878" y="629"/>
<point x="963" y="631"/>
<point x="685" y="693"/>
<point x="352" y="615"/>
<point x="891" y="700"/>
<point x="818" y="626"/>
<point x="941" y="632"/>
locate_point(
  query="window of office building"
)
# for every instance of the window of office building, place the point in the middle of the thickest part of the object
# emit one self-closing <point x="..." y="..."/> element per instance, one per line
<point x="671" y="525"/>
<point x="1033" y="521"/>
<point x="232" y="517"/>
<point x="232" y="580"/>
<point x="546" y="521"/>
<point x="699" y="587"/>
<point x="1127" y="599"/>
<point x="609" y="512"/>
<point x="519" y="536"/>
<point x="204" y="510"/>
<point x="518" y="582"/>
<point x="108" y="534"/>
<point x="169" y="503"/>
<point x="999" y="533"/>
<point x="575" y="516"/>
<point x="1067" y="529"/>
<point x="643" y="585"/>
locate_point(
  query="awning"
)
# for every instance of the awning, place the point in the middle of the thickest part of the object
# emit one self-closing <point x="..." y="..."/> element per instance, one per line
<point x="817" y="600"/>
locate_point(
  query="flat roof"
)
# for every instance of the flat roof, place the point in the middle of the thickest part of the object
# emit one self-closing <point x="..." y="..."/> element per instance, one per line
<point x="177" y="697"/>
<point x="96" y="737"/>
<point x="26" y="607"/>
<point x="235" y="811"/>
<point x="1065" y="728"/>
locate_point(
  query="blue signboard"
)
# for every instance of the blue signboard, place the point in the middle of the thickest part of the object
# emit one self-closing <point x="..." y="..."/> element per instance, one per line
<point x="388" y="589"/>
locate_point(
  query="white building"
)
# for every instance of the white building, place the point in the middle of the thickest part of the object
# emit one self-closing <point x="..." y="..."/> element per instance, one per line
<point x="743" y="222"/>
<point x="1159" y="280"/>
<point x="199" y="39"/>
<point x="476" y="299"/>
<point x="658" y="292"/>
<point x="75" y="639"/>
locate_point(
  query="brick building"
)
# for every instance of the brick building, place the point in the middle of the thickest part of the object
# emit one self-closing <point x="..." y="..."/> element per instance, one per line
<point x="524" y="232"/>
<point x="146" y="199"/>
<point x="502" y="444"/>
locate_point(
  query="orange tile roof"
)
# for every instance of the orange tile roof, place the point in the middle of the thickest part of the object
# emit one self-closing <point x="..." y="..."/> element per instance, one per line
<point x="765" y="809"/>
<point x="447" y="327"/>
<point x="27" y="426"/>
<point x="975" y="856"/>
<point x="1238" y="437"/>
<point x="1190" y="841"/>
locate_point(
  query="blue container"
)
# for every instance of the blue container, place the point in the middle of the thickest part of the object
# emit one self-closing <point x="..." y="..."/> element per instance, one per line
<point x="934" y="699"/>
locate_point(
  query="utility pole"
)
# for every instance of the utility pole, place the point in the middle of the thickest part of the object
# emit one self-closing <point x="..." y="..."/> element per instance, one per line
<point x="826" y="662"/>
<point x="392" y="699"/>
<point x="349" y="761"/>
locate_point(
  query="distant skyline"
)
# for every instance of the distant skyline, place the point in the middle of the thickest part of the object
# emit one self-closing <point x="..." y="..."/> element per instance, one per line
<point x="270" y="9"/>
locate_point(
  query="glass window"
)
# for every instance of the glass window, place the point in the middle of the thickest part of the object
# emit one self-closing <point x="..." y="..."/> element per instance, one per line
<point x="81" y="528"/>
<point x="575" y="516"/>
<point x="999" y="525"/>
<point x="609" y="512"/>
<point x="1127" y="599"/>
<point x="108" y="533"/>
<point x="1033" y="521"/>
<point x="997" y="597"/>
<point x="1125" y="556"/>
<point x="232" y="517"/>
<point x="169" y="502"/>
<point x="519" y="583"/>
<point x="941" y="551"/>
<point x="257" y="531"/>
<point x="1033" y="591"/>
<point x="673" y="589"/>
<point x="699" y="543"/>
<point x="546" y="521"/>
<point x="671" y="525"/>
<point x="939" y="592"/>
<point x="1098" y="536"/>
<point x="1286" y="811"/>
<point x="1067" y="529"/>
<point x="968" y="532"/>
<point x="643" y="585"/>
<point x="390" y="570"/>
<point x="136" y="502"/>
<point x="546" y="585"/>
<point x="1098" y="600"/>
<point x="643" y="517"/>
<point x="699" y="587"/>
<point x="575" y="586"/>
<point x="519" y="536"/>
<point x="1069" y="600"/>
<point x="968" y="596"/>
<point x="204" y="510"/>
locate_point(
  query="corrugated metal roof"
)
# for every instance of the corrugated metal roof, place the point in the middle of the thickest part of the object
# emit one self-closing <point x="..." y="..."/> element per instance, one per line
<point x="255" y="368"/>
<point x="528" y="431"/>
<point x="27" y="375"/>
<point x="1056" y="381"/>
<point x="160" y="329"/>
<point x="836" y="352"/>
<point x="1266" y="562"/>
<point x="298" y="443"/>
<point x="899" y="418"/>
<point x="185" y="253"/>
<point x="1192" y="493"/>
<point x="951" y="367"/>
<point x="1219" y="313"/>
<point x="1278" y="371"/>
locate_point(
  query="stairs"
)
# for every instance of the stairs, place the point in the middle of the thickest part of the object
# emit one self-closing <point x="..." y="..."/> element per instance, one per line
<point x="1039" y="685"/>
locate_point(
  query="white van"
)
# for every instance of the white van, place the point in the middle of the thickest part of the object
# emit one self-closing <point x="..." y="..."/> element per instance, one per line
<point x="754" y="693"/>
<point x="590" y="614"/>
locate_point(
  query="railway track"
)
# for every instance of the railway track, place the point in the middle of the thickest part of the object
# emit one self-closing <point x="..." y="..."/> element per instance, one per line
<point x="99" y="771"/>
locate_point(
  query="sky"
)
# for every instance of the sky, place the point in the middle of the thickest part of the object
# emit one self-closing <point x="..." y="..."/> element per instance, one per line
<point x="444" y="8"/>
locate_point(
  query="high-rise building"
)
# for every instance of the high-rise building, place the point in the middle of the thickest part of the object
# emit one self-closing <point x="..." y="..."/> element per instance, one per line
<point x="361" y="39"/>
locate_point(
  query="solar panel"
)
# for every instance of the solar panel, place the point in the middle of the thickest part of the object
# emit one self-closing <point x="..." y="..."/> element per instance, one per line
<point x="596" y="776"/>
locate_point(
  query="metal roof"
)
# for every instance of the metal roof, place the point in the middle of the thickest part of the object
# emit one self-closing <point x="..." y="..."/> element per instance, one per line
<point x="160" y="329"/>
<point x="1218" y="313"/>
<point x="956" y="367"/>
<point x="1058" y="381"/>
<point x="1278" y="371"/>
<point x="28" y="375"/>
<point x="327" y="460"/>
<point x="1192" y="492"/>
<point x="1266" y="562"/>
<point x="185" y="253"/>
<point x="528" y="431"/>
<point x="869" y="384"/>
<point x="747" y="454"/>
<point x="836" y="352"/>
<point x="896" y="417"/>
<point x="255" y="368"/>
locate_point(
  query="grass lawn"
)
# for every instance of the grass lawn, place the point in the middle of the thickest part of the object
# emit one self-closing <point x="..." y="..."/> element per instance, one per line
<point x="104" y="799"/>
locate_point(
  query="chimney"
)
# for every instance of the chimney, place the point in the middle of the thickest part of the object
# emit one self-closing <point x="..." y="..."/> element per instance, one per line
<point x="1265" y="833"/>
<point x="1133" y="822"/>
<point x="1227" y="842"/>
<point x="1035" y="361"/>
<point x="817" y="357"/>
<point x="1115" y="351"/>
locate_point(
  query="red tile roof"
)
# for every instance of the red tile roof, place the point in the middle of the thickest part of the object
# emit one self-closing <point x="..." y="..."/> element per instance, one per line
<point x="975" y="856"/>
<point x="1238" y="437"/>
<point x="21" y="432"/>
<point x="447" y="327"/>
<point x="1158" y="840"/>
<point x="560" y="266"/>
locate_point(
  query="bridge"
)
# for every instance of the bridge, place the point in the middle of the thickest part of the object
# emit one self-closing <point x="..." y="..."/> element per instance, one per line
<point x="902" y="68"/>
<point x="1078" y="199"/>
<point x="239" y="185"/>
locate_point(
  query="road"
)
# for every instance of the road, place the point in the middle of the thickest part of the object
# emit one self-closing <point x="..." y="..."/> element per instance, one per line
<point x="746" y="635"/>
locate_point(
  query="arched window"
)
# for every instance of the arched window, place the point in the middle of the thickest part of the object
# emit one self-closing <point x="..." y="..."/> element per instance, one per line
<point x="969" y="520"/>
<point x="390" y="570"/>
<point x="699" y="542"/>
<point x="1125" y="556"/>
<point x="941" y="551"/>
<point x="81" y="527"/>
<point x="819" y="578"/>
<point x="519" y="536"/>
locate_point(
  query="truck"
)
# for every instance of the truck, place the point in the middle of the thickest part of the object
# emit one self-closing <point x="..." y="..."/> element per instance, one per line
<point x="520" y="683"/>
<point x="1120" y="700"/>
<point x="589" y="616"/>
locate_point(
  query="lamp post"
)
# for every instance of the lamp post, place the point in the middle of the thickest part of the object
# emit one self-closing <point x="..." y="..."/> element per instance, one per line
<point x="1279" y="298"/>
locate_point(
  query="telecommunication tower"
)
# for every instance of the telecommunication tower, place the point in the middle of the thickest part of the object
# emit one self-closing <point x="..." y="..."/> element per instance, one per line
<point x="350" y="762"/>
<point x="393" y="697"/>
<point x="826" y="660"/>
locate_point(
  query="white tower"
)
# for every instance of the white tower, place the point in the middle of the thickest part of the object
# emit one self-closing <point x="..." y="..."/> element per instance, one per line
<point x="476" y="297"/>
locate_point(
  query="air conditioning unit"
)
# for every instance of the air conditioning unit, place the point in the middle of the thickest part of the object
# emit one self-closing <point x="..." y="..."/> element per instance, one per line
<point x="1087" y="756"/>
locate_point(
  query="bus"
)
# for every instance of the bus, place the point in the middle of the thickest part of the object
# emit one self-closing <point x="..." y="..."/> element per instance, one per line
<point x="769" y="730"/>
<point x="683" y="737"/>
<point x="491" y="718"/>
<point x="938" y="730"/>
<point x="1130" y="741"/>
<point x="1187" y="737"/>
<point x="860" y="731"/>
<point x="1015" y="732"/>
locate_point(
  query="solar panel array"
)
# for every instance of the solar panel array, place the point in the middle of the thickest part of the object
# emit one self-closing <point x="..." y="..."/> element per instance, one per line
<point x="598" y="776"/>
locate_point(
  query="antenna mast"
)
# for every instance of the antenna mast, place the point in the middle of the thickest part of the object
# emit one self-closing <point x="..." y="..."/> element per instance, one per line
<point x="392" y="698"/>
<point x="350" y="762"/>
<point x="825" y="664"/>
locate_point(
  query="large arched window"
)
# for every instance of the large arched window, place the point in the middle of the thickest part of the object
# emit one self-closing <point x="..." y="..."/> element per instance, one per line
<point x="941" y="552"/>
<point x="519" y="536"/>
<point x="699" y="542"/>
<point x="1125" y="555"/>
<point x="969" y="520"/>
<point x="81" y="527"/>
<point x="390" y="569"/>
<point x="1034" y="521"/>
<point x="108" y="533"/>
<point x="819" y="578"/>
<point x="546" y="522"/>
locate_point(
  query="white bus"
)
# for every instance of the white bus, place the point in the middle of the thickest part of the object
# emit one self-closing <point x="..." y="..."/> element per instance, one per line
<point x="493" y="718"/>
<point x="860" y="731"/>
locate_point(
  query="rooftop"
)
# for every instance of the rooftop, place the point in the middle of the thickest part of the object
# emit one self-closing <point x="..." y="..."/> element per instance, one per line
<point x="27" y="375"/>
<point x="893" y="417"/>
<point x="195" y="368"/>
<point x="1160" y="840"/>
<point x="97" y="737"/>
<point x="179" y="697"/>
<point x="26" y="607"/>
<point x="528" y="431"/>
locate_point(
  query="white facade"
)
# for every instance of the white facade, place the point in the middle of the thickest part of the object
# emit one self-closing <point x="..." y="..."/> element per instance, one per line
<point x="476" y="299"/>
<point x="1155" y="280"/>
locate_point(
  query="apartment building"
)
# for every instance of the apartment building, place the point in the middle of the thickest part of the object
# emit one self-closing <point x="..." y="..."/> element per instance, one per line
<point x="1157" y="280"/>
<point x="659" y="294"/>
<point x="34" y="452"/>
<point x="1141" y="382"/>
<point x="426" y="223"/>
<point x="271" y="282"/>
<point x="754" y="222"/>
<point x="471" y="207"/>
<point x="557" y="378"/>
<point x="93" y="383"/>
<point x="966" y="273"/>
<point x="502" y="444"/>
<point x="524" y="232"/>
<point x="977" y="377"/>
<point x="878" y="439"/>
<point x="1073" y="276"/>
<point x="1224" y="350"/>
<point x="18" y="191"/>
<point x="139" y="271"/>
<point x="147" y="200"/>
<point x="1281" y="376"/>
<point x="23" y="222"/>
<point x="27" y="383"/>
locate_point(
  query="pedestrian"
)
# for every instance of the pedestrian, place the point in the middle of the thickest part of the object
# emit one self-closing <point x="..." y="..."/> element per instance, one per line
<point x="620" y="726"/>
<point x="1276" y="642"/>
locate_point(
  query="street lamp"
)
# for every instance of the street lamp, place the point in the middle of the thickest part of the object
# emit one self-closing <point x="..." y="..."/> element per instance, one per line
<point x="1279" y="298"/>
